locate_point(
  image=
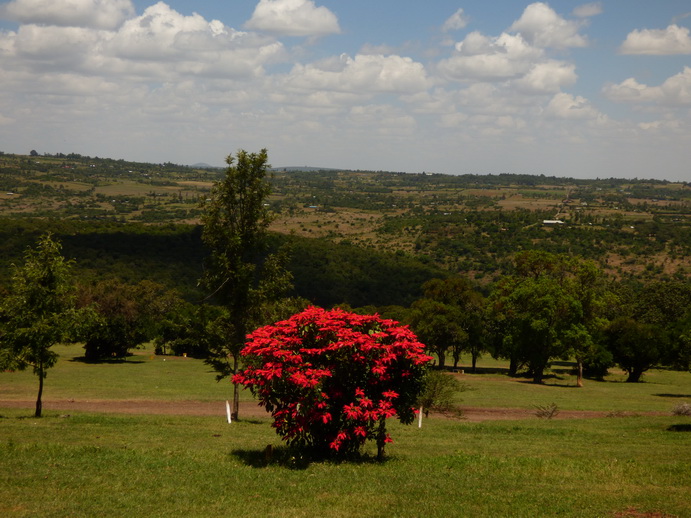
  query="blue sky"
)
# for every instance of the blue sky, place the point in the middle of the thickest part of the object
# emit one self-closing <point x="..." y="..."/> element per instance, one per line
<point x="595" y="89"/>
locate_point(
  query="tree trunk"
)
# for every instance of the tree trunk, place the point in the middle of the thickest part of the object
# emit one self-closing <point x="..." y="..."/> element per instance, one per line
<point x="442" y="358"/>
<point x="39" y="403"/>
<point x="579" y="381"/>
<point x="538" y="373"/>
<point x="381" y="438"/>
<point x="513" y="367"/>
<point x="634" y="375"/>
<point x="474" y="362"/>
<point x="234" y="414"/>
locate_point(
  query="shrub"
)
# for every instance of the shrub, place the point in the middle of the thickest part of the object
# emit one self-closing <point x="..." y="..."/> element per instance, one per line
<point x="331" y="378"/>
<point x="439" y="392"/>
<point x="546" y="411"/>
<point x="682" y="409"/>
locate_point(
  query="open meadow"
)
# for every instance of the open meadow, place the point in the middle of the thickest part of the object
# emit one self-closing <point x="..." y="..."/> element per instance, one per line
<point x="633" y="459"/>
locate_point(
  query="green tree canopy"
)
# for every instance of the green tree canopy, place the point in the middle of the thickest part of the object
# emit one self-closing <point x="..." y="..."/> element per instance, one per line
<point x="548" y="309"/>
<point x="126" y="315"/>
<point x="39" y="312"/>
<point x="449" y="316"/>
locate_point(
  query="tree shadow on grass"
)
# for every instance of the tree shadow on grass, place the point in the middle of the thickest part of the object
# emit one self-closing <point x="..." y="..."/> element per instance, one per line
<point x="106" y="361"/>
<point x="46" y="416"/>
<point x="679" y="428"/>
<point x="480" y="370"/>
<point x="673" y="395"/>
<point x="528" y="380"/>
<point x="285" y="457"/>
<point x="565" y="385"/>
<point x="247" y="420"/>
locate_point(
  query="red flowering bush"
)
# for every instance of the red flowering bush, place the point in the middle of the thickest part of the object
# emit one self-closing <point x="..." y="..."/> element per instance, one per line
<point x="331" y="378"/>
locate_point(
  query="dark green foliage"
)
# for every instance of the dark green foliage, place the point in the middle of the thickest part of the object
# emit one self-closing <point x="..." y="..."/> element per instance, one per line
<point x="658" y="308"/>
<point x="597" y="363"/>
<point x="635" y="346"/>
<point x="449" y="316"/>
<point x="126" y="316"/>
<point x="437" y="325"/>
<point x="184" y="331"/>
<point x="551" y="308"/>
<point x="172" y="255"/>
<point x="328" y="274"/>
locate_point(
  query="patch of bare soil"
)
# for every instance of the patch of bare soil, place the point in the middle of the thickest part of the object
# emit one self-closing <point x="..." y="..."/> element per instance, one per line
<point x="632" y="512"/>
<point x="137" y="406"/>
<point x="252" y="410"/>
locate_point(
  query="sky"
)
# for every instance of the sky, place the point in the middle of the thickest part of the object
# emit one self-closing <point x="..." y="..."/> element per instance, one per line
<point x="561" y="88"/>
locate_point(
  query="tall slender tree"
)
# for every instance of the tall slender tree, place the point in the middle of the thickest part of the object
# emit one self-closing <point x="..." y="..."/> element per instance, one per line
<point x="38" y="313"/>
<point x="240" y="273"/>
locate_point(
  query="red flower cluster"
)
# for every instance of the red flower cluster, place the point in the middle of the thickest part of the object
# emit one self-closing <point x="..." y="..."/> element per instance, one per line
<point x="331" y="378"/>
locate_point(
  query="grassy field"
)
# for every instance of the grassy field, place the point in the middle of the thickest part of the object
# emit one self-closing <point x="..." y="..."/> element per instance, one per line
<point x="123" y="465"/>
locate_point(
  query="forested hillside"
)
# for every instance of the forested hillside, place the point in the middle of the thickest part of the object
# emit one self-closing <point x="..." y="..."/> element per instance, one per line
<point x="468" y="224"/>
<point x="528" y="268"/>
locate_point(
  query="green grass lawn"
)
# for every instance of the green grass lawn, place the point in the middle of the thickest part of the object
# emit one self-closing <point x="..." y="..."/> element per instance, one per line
<point x="123" y="465"/>
<point x="104" y="465"/>
<point x="660" y="391"/>
<point x="142" y="376"/>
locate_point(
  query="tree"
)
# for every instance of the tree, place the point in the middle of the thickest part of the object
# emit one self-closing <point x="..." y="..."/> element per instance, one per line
<point x="449" y="316"/>
<point x="652" y="328"/>
<point x="585" y="284"/>
<point x="634" y="346"/>
<point x="39" y="312"/>
<point x="549" y="308"/>
<point x="667" y="305"/>
<point x="437" y="325"/>
<point x="240" y="273"/>
<point x="331" y="378"/>
<point x="469" y="303"/>
<point x="126" y="315"/>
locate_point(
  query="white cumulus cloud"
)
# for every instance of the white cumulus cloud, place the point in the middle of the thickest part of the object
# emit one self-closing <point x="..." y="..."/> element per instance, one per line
<point x="456" y="21"/>
<point x="159" y="45"/>
<point x="384" y="119"/>
<point x="365" y="73"/>
<point x="672" y="40"/>
<point x="293" y="18"/>
<point x="567" y="106"/>
<point x="479" y="57"/>
<point x="675" y="91"/>
<point x="98" y="14"/>
<point x="548" y="77"/>
<point x="59" y="46"/>
<point x="588" y="10"/>
<point x="543" y="27"/>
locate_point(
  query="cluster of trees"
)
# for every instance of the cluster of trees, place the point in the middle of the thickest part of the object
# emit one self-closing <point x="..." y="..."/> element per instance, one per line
<point x="545" y="305"/>
<point x="556" y="306"/>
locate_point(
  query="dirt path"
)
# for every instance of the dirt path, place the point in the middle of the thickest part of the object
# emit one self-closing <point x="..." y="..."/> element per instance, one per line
<point x="251" y="409"/>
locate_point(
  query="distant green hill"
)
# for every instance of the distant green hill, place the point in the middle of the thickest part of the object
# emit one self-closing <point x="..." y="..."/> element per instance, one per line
<point x="470" y="225"/>
<point x="324" y="272"/>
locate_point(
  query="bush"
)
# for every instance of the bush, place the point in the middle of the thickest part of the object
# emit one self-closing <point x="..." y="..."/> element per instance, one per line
<point x="439" y="392"/>
<point x="682" y="409"/>
<point x="546" y="411"/>
<point x="331" y="378"/>
<point x="596" y="365"/>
